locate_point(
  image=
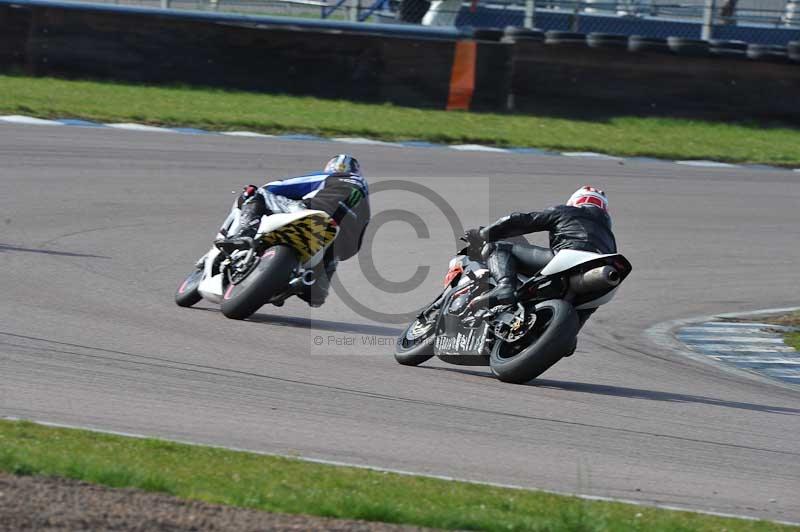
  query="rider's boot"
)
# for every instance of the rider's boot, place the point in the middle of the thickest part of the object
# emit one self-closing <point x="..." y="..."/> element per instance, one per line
<point x="504" y="270"/>
<point x="250" y="218"/>
<point x="252" y="208"/>
<point x="316" y="294"/>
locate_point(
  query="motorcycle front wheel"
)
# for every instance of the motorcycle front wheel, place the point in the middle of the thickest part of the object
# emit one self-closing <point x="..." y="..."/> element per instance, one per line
<point x="415" y="345"/>
<point x="550" y="337"/>
<point x="187" y="294"/>
<point x="269" y="277"/>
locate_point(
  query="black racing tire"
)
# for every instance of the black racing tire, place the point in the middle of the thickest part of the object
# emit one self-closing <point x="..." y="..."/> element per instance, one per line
<point x="487" y="34"/>
<point x="607" y="40"/>
<point x="724" y="44"/>
<point x="516" y="34"/>
<point x="187" y="294"/>
<point x="548" y="348"/>
<point x="768" y="52"/>
<point x="724" y="48"/>
<point x="688" y="47"/>
<point x="793" y="50"/>
<point x="639" y="43"/>
<point x="570" y="38"/>
<point x="268" y="278"/>
<point x="414" y="351"/>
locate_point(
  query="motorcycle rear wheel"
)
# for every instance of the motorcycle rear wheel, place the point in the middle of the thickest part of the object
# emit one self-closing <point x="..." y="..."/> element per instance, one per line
<point x="270" y="276"/>
<point x="554" y="333"/>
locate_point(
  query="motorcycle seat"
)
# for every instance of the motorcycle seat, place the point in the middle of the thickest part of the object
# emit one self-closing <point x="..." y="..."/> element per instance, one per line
<point x="531" y="259"/>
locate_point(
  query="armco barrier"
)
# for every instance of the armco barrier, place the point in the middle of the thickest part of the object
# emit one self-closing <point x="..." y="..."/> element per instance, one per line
<point x="277" y="55"/>
<point x="406" y="65"/>
<point x="591" y="83"/>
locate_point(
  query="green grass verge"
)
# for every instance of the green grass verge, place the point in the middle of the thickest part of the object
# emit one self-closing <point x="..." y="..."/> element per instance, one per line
<point x="789" y="320"/>
<point x="228" y="110"/>
<point x="293" y="486"/>
<point x="793" y="339"/>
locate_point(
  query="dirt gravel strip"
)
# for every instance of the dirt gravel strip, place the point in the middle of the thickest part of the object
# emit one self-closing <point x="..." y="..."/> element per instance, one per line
<point x="57" y="504"/>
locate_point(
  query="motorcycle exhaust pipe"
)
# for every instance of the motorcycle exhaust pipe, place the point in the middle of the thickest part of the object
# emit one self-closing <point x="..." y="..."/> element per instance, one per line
<point x="594" y="280"/>
<point x="307" y="278"/>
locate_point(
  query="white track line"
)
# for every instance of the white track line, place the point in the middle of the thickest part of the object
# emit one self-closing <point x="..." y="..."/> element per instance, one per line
<point x="661" y="334"/>
<point x="590" y="154"/>
<point x="141" y="127"/>
<point x="706" y="164"/>
<point x="477" y="147"/>
<point x="365" y="141"/>
<point x="245" y="134"/>
<point x="405" y="472"/>
<point x="691" y="338"/>
<point x="29" y="120"/>
<point x="734" y="348"/>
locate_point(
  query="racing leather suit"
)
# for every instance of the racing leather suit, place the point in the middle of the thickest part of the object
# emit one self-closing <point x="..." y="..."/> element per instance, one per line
<point x="344" y="197"/>
<point x="586" y="228"/>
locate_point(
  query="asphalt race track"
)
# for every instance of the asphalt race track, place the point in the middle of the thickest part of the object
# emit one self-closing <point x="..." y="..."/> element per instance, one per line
<point x="99" y="226"/>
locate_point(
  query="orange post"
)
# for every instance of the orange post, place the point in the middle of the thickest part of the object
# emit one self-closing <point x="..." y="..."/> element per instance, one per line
<point x="462" y="77"/>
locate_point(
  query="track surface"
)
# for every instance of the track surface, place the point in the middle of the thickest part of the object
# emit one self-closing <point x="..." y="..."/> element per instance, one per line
<point x="99" y="226"/>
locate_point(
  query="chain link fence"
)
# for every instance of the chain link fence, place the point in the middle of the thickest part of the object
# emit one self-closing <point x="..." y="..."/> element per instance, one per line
<point x="746" y="20"/>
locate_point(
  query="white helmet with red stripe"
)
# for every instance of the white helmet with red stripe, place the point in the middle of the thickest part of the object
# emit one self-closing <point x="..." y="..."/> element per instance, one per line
<point x="587" y="196"/>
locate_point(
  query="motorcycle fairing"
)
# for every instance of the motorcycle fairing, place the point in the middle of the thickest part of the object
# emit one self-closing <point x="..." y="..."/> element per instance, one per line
<point x="211" y="285"/>
<point x="306" y="231"/>
<point x="456" y="342"/>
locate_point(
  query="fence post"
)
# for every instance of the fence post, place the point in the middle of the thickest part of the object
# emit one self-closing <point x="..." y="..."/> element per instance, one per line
<point x="164" y="4"/>
<point x="708" y="20"/>
<point x="530" y="13"/>
<point x="354" y="9"/>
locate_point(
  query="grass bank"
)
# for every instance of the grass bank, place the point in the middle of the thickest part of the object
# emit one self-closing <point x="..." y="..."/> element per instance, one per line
<point x="789" y="320"/>
<point x="293" y="486"/>
<point x="228" y="110"/>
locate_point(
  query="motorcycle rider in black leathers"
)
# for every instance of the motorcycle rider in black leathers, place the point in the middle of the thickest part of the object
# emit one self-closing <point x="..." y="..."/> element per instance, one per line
<point x="582" y="224"/>
<point x="339" y="190"/>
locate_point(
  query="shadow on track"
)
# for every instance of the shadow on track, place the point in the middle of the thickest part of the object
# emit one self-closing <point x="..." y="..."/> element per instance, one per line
<point x="6" y="247"/>
<point x="635" y="393"/>
<point x="324" y="325"/>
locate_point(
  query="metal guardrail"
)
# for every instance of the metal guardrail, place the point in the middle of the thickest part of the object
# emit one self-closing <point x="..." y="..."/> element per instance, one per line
<point x="699" y="18"/>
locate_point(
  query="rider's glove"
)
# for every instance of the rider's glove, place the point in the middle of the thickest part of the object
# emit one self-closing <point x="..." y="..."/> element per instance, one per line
<point x="247" y="192"/>
<point x="474" y="242"/>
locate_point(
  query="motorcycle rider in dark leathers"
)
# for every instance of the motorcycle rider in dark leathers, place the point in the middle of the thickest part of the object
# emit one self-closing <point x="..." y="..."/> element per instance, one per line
<point x="339" y="190"/>
<point x="581" y="224"/>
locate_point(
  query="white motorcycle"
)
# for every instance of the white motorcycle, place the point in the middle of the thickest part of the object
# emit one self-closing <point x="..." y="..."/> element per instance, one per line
<point x="520" y="341"/>
<point x="243" y="274"/>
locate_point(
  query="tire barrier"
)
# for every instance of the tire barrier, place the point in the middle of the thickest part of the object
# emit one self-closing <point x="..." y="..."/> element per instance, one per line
<point x="568" y="38"/>
<point x="654" y="77"/>
<point x="607" y="40"/>
<point x="555" y="73"/>
<point x="688" y="47"/>
<point x="638" y="43"/>
<point x="723" y="48"/>
<point x="793" y="50"/>
<point x="768" y="52"/>
<point x="514" y="34"/>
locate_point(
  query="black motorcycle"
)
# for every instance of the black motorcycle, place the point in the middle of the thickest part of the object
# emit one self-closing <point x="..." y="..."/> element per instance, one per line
<point x="522" y="340"/>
